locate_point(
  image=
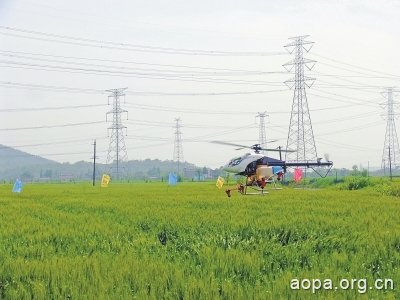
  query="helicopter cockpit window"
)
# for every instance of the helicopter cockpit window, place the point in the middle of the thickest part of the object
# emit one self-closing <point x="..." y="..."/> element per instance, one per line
<point x="236" y="161"/>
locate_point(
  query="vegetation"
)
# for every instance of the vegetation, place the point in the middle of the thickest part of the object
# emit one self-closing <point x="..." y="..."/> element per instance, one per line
<point x="35" y="168"/>
<point x="151" y="241"/>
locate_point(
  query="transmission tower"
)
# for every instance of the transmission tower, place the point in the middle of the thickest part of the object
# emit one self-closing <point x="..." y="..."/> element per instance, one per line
<point x="262" y="140"/>
<point x="391" y="150"/>
<point x="117" y="149"/>
<point x="178" y="150"/>
<point x="300" y="136"/>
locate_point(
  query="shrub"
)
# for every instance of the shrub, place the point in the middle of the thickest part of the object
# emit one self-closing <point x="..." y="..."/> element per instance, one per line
<point x="355" y="183"/>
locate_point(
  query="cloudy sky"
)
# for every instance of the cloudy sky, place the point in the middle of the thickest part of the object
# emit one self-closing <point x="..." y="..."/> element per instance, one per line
<point x="213" y="64"/>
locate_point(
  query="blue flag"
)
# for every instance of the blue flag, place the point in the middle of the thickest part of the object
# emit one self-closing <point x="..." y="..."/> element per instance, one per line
<point x="276" y="170"/>
<point x="172" y="179"/>
<point x="17" y="186"/>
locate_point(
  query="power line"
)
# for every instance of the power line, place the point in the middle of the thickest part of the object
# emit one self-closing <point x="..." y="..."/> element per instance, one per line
<point x="49" y="143"/>
<point x="57" y="68"/>
<point x="194" y="111"/>
<point x="209" y="72"/>
<point x="164" y="124"/>
<point x="149" y="123"/>
<point x="207" y="93"/>
<point x="26" y="109"/>
<point x="18" y="85"/>
<point x="215" y="112"/>
<point x="144" y="93"/>
<point x="146" y="138"/>
<point x="361" y="127"/>
<point x="326" y="141"/>
<point x="356" y="83"/>
<point x="52" y="88"/>
<point x="149" y="146"/>
<point x="202" y="138"/>
<point x="358" y="101"/>
<point x="359" y="87"/>
<point x="353" y="71"/>
<point x="226" y="73"/>
<point x="348" y="118"/>
<point x="369" y="76"/>
<point x="125" y="46"/>
<point x="358" y="67"/>
<point x="52" y="126"/>
<point x="345" y="146"/>
<point x="144" y="63"/>
<point x="170" y="109"/>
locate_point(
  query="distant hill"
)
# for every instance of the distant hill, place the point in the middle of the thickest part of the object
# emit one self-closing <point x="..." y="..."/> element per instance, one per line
<point x="10" y="157"/>
<point x="18" y="164"/>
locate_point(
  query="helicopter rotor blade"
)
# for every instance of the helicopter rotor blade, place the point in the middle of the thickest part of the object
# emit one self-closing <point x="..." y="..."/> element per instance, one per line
<point x="282" y="150"/>
<point x="254" y="147"/>
<point x="276" y="150"/>
<point x="230" y="144"/>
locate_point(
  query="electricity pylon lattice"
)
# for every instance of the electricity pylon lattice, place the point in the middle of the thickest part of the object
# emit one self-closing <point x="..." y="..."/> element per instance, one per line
<point x="178" y="150"/>
<point x="117" y="149"/>
<point x="391" y="150"/>
<point x="262" y="139"/>
<point x="300" y="135"/>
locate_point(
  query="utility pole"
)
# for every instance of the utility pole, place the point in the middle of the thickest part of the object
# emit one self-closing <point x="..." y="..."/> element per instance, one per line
<point x="117" y="150"/>
<point x="300" y="135"/>
<point x="390" y="166"/>
<point x="262" y="140"/>
<point x="94" y="163"/>
<point x="178" y="150"/>
<point x="280" y="152"/>
<point x="391" y="149"/>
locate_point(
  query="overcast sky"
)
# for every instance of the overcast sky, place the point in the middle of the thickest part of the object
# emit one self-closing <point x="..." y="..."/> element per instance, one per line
<point x="232" y="71"/>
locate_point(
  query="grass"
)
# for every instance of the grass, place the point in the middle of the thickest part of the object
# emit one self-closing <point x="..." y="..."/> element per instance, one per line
<point x="151" y="241"/>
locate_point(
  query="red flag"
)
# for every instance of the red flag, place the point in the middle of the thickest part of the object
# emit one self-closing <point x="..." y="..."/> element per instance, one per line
<point x="298" y="175"/>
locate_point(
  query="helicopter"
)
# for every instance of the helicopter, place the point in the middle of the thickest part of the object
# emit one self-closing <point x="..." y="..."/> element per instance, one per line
<point x="260" y="170"/>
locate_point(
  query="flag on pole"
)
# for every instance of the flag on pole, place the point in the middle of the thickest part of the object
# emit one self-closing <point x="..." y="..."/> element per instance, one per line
<point x="18" y="185"/>
<point x="276" y="170"/>
<point x="105" y="180"/>
<point x="220" y="182"/>
<point x="172" y="179"/>
<point x="298" y="175"/>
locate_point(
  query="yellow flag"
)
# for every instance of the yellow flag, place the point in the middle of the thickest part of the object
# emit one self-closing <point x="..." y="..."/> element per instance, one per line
<point x="220" y="182"/>
<point x="105" y="180"/>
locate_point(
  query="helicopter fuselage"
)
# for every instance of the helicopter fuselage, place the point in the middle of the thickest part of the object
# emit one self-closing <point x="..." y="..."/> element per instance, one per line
<point x="247" y="164"/>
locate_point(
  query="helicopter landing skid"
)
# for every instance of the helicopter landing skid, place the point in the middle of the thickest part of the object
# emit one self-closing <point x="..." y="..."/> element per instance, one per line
<point x="243" y="190"/>
<point x="258" y="191"/>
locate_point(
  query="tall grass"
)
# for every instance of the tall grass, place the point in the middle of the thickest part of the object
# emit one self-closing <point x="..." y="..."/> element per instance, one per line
<point x="150" y="241"/>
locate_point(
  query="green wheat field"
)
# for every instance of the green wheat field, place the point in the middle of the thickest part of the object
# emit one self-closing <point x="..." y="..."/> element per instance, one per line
<point x="151" y="241"/>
